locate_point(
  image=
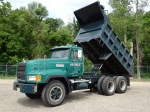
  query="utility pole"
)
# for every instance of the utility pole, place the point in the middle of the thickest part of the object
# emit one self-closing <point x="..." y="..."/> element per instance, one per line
<point x="137" y="42"/>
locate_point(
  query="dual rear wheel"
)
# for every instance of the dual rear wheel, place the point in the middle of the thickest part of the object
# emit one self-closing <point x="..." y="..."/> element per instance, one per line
<point x="109" y="85"/>
<point x="121" y="84"/>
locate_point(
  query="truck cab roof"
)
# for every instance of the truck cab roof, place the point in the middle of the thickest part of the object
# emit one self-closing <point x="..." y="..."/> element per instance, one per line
<point x="66" y="47"/>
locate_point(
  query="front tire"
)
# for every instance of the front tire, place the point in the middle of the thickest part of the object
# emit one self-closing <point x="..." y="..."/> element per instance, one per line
<point x="43" y="94"/>
<point x="55" y="93"/>
<point x="33" y="96"/>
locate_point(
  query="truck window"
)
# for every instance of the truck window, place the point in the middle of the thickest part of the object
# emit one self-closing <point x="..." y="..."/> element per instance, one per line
<point x="60" y="53"/>
<point x="76" y="54"/>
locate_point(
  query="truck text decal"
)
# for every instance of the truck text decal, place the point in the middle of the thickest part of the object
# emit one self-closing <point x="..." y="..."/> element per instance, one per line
<point x="59" y="65"/>
<point x="75" y="64"/>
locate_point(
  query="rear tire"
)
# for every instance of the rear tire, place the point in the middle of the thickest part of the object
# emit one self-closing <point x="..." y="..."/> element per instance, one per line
<point x="109" y="86"/>
<point x="115" y="77"/>
<point x="55" y="93"/>
<point x="99" y="85"/>
<point x="121" y="84"/>
<point x="33" y="96"/>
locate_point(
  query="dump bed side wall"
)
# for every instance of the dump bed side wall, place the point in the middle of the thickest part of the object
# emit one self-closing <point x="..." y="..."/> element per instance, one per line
<point x="99" y="41"/>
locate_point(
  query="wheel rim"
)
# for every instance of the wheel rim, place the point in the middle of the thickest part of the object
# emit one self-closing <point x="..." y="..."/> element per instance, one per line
<point x="111" y="86"/>
<point x="55" y="94"/>
<point x="122" y="85"/>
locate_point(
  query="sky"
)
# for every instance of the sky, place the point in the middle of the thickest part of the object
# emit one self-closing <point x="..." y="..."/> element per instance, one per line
<point x="60" y="8"/>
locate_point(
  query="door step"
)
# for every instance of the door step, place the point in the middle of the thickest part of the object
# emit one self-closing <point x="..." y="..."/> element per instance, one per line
<point x="79" y="81"/>
<point x="75" y="91"/>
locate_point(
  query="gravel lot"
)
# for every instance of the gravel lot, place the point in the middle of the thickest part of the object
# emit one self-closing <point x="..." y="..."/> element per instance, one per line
<point x="136" y="99"/>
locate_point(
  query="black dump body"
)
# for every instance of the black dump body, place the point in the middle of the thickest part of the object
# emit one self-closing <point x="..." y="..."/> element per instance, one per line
<point x="100" y="43"/>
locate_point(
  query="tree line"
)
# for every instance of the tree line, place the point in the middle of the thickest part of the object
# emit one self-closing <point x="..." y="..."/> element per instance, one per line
<point x="29" y="32"/>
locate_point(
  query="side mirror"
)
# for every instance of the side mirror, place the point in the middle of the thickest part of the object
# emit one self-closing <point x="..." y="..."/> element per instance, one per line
<point x="79" y="54"/>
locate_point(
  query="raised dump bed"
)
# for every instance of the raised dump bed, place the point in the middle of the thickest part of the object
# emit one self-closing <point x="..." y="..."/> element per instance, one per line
<point x="100" y="43"/>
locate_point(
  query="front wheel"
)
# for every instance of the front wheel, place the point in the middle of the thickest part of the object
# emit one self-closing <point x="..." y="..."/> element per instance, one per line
<point x="33" y="96"/>
<point x="55" y="93"/>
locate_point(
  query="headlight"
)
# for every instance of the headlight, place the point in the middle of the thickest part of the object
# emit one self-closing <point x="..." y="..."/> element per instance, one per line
<point x="36" y="78"/>
<point x="32" y="78"/>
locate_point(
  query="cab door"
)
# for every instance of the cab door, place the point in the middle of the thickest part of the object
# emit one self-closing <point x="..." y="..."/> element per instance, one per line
<point x="76" y="64"/>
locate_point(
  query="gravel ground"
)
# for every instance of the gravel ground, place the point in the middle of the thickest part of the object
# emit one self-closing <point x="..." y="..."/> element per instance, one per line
<point x="136" y="99"/>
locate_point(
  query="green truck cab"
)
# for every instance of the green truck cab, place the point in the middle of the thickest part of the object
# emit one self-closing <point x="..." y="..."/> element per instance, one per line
<point x="64" y="63"/>
<point x="62" y="73"/>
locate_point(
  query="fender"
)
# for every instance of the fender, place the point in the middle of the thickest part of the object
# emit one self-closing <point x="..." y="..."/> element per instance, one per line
<point x="59" y="77"/>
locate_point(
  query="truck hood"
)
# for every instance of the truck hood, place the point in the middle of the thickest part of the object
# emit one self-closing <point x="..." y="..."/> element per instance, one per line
<point x="52" y="60"/>
<point x="39" y="65"/>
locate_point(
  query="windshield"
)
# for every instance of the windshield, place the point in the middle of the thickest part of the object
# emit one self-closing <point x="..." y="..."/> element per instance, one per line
<point x="60" y="53"/>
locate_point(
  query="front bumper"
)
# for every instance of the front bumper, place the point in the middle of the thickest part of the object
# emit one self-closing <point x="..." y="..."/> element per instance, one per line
<point x="25" y="88"/>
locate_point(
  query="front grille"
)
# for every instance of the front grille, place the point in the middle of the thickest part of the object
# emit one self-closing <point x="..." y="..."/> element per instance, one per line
<point x="21" y="71"/>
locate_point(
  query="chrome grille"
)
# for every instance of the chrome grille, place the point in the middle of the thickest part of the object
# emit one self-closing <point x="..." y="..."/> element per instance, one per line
<point x="21" y="71"/>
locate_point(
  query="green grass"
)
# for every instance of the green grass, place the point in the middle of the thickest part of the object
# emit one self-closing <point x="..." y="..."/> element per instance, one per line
<point x="140" y="80"/>
<point x="2" y="76"/>
<point x="144" y="77"/>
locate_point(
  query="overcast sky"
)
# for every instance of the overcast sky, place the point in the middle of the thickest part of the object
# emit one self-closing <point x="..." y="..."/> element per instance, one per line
<point x="60" y="8"/>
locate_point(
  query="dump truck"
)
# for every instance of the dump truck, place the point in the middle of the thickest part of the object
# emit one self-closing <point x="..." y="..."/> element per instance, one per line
<point x="63" y="72"/>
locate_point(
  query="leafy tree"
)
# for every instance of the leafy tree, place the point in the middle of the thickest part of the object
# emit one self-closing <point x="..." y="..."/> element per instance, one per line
<point x="145" y="43"/>
<point x="54" y="24"/>
<point x="39" y="29"/>
<point x="24" y="36"/>
<point x="38" y="10"/>
<point x="74" y="27"/>
<point x="60" y="37"/>
<point x="140" y="4"/>
<point x="120" y="16"/>
<point x="132" y="22"/>
<point x="5" y="10"/>
<point x="19" y="32"/>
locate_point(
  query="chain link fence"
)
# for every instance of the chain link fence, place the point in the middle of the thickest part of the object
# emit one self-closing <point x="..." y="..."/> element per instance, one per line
<point x="144" y="71"/>
<point x="10" y="71"/>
